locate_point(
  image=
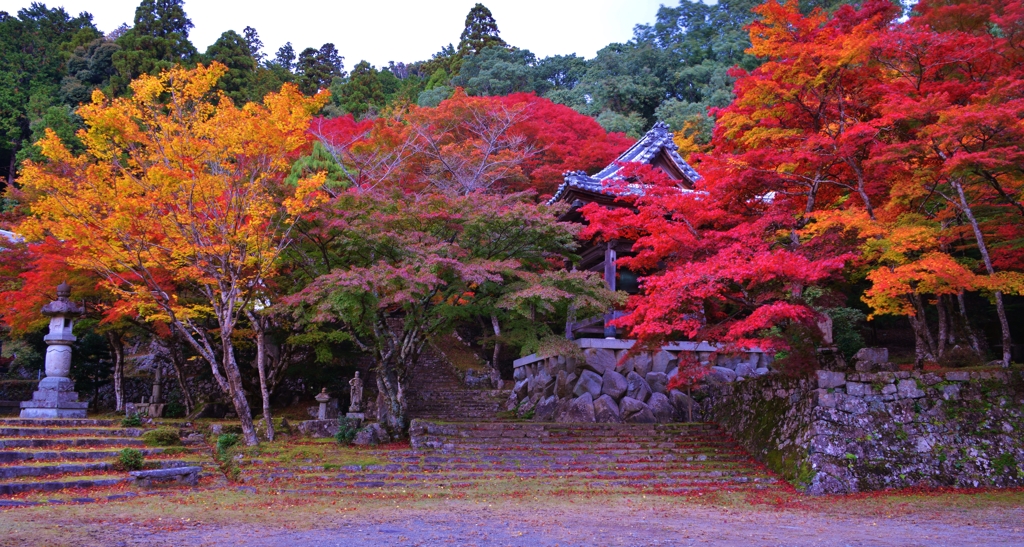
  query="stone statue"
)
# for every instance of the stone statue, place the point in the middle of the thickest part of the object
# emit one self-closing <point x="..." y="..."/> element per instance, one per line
<point x="356" y="394"/>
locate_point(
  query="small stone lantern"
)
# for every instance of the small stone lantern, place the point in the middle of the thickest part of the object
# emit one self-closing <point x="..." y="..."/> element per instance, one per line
<point x="56" y="397"/>
<point x="323" y="399"/>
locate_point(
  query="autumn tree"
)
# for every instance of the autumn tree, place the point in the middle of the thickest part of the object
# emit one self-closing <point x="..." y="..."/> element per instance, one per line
<point x="177" y="183"/>
<point x="396" y="269"/>
<point x="713" y="268"/>
<point x="955" y="104"/>
<point x="467" y="143"/>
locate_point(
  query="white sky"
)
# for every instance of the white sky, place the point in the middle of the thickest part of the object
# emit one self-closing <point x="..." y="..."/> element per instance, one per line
<point x="385" y="30"/>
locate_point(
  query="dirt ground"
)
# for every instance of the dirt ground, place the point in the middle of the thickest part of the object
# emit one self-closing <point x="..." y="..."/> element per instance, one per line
<point x="219" y="518"/>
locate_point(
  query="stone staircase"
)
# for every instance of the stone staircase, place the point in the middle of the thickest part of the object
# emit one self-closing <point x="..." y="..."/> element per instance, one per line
<point x="511" y="457"/>
<point x="437" y="393"/>
<point x="46" y="455"/>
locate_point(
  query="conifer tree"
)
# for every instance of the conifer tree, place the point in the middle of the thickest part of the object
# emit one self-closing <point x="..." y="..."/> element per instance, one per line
<point x="233" y="51"/>
<point x="481" y="31"/>
<point x="158" y="41"/>
<point x="252" y="39"/>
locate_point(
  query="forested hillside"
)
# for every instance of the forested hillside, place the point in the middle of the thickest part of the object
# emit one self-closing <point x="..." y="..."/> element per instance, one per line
<point x="270" y="216"/>
<point x="672" y="70"/>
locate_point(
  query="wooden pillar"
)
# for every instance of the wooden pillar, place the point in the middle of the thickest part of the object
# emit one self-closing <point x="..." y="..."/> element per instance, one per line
<point x="609" y="280"/>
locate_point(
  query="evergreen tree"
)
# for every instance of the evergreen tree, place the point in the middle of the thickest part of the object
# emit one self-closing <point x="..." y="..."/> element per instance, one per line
<point x="318" y="68"/>
<point x="158" y="41"/>
<point x="499" y="71"/>
<point x="34" y="46"/>
<point x="481" y="31"/>
<point x="233" y="51"/>
<point x="319" y="160"/>
<point x="252" y="39"/>
<point x="285" y="56"/>
<point x="90" y="66"/>
<point x="362" y="91"/>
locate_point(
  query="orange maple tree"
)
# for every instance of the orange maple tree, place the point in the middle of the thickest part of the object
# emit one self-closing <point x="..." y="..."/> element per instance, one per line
<point x="178" y="183"/>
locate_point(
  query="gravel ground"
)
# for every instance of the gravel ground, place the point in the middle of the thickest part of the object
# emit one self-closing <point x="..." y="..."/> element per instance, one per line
<point x="601" y="525"/>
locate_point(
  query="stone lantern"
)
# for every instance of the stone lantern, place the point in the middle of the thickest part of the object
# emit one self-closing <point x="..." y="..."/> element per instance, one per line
<point x="323" y="398"/>
<point x="56" y="397"/>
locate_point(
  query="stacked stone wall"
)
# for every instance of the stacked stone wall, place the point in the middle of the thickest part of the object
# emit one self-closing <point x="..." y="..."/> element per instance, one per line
<point x="849" y="432"/>
<point x="610" y="384"/>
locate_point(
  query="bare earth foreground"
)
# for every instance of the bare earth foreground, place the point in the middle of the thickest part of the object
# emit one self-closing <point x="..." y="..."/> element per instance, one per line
<point x="228" y="516"/>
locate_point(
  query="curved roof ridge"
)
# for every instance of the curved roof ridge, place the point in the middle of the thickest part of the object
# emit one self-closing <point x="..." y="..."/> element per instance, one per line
<point x="644" y="150"/>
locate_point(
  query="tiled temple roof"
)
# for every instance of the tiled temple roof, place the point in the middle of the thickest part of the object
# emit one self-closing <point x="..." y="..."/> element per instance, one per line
<point x="10" y="236"/>
<point x="658" y="140"/>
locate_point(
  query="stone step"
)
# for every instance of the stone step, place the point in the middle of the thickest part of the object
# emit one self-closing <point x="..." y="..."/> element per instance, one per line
<point x="10" y="489"/>
<point x="603" y="484"/>
<point x="25" y="431"/>
<point x="16" y="456"/>
<point x="504" y="472"/>
<point x="54" y="422"/>
<point x="68" y="442"/>
<point x="16" y="471"/>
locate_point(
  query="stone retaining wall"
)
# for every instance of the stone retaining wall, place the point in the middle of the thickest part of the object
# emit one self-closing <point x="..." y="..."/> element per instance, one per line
<point x="608" y="385"/>
<point x="850" y="432"/>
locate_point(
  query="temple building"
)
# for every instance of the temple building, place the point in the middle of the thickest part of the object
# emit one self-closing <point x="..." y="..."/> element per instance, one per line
<point x="656" y="148"/>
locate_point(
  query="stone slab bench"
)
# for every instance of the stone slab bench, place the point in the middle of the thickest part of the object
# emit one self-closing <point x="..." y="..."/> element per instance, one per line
<point x="188" y="476"/>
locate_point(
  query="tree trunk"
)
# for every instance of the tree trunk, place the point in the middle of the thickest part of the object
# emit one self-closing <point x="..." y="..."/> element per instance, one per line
<point x="259" y="327"/>
<point x="497" y="343"/>
<point x="1004" y="325"/>
<point x="969" y="332"/>
<point x="924" y="345"/>
<point x="392" y="414"/>
<point x="117" y="348"/>
<point x="237" y="391"/>
<point x="940" y="306"/>
<point x="178" y="363"/>
<point x="13" y="164"/>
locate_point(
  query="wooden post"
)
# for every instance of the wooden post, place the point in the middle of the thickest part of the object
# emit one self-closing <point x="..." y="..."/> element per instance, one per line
<point x="609" y="280"/>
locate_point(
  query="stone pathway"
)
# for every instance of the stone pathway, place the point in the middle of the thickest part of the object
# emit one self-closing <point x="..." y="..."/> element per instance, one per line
<point x="435" y="392"/>
<point x="46" y="455"/>
<point x="571" y="458"/>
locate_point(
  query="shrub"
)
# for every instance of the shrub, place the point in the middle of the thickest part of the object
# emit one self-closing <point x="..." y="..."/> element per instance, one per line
<point x="846" y="330"/>
<point x="225" y="442"/>
<point x="960" y="357"/>
<point x="132" y="420"/>
<point x="225" y="456"/>
<point x="129" y="459"/>
<point x="346" y="431"/>
<point x="162" y="436"/>
<point x="174" y="409"/>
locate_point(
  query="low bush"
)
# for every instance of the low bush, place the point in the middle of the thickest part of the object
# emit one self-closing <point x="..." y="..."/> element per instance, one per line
<point x="132" y="420"/>
<point x="960" y="357"/>
<point x="225" y="455"/>
<point x="226" y="441"/>
<point x="346" y="431"/>
<point x="162" y="436"/>
<point x="129" y="459"/>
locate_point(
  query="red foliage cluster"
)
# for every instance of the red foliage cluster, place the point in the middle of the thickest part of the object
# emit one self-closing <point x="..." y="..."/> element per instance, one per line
<point x="509" y="143"/>
<point x="864" y="145"/>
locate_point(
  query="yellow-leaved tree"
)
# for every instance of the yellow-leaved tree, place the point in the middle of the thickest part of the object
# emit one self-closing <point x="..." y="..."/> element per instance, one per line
<point x="179" y="203"/>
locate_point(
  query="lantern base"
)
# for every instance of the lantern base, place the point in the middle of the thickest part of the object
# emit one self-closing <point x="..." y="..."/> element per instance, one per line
<point x="55" y="398"/>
